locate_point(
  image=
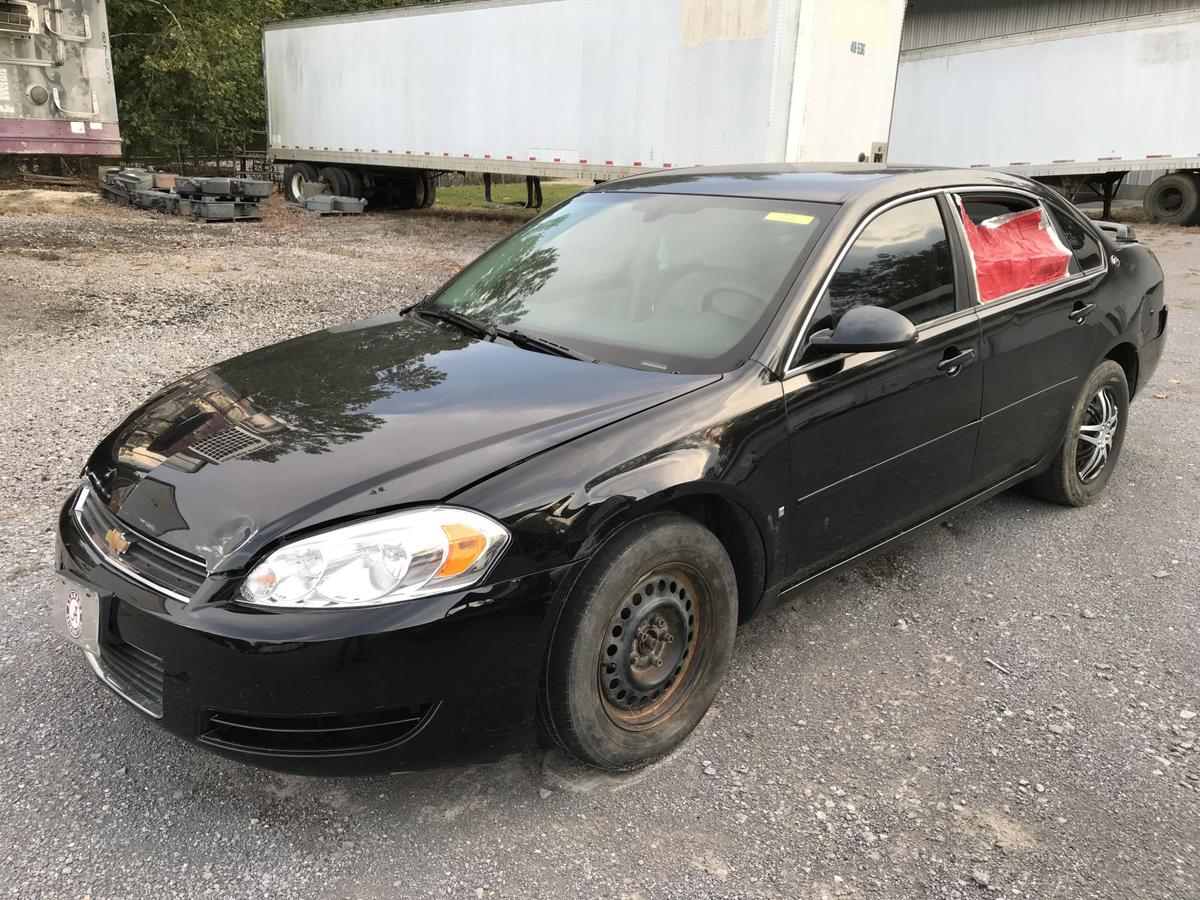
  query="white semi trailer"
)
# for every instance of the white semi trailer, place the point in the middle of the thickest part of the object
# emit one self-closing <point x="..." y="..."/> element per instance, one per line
<point x="1079" y="107"/>
<point x="376" y="104"/>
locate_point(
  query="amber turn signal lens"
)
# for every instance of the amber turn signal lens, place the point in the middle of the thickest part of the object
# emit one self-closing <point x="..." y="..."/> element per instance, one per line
<point x="466" y="545"/>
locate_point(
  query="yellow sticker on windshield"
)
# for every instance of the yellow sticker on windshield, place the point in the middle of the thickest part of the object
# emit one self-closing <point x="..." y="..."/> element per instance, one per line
<point x="794" y="218"/>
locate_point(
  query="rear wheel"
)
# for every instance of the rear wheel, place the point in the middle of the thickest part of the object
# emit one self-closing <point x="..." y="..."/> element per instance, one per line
<point x="430" y="196"/>
<point x="344" y="182"/>
<point x="1092" y="445"/>
<point x="642" y="644"/>
<point x="295" y="177"/>
<point x="356" y="184"/>
<point x="1173" y="200"/>
<point x="410" y="190"/>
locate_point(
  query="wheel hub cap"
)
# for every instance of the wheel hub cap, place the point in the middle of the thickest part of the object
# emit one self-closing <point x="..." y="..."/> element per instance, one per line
<point x="1101" y="420"/>
<point x="653" y="637"/>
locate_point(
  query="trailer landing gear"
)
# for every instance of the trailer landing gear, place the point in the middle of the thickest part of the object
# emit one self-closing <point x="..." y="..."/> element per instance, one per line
<point x="1103" y="185"/>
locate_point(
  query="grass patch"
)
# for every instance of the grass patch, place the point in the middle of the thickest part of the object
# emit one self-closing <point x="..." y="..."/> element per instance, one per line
<point x="463" y="196"/>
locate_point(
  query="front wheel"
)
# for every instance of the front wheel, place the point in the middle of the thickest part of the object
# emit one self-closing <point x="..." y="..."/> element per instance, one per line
<point x="642" y="644"/>
<point x="1092" y="445"/>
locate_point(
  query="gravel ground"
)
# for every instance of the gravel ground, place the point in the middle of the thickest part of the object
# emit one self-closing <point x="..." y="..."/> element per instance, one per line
<point x="1004" y="707"/>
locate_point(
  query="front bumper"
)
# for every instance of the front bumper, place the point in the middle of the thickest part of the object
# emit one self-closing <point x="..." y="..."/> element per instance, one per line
<point x="422" y="683"/>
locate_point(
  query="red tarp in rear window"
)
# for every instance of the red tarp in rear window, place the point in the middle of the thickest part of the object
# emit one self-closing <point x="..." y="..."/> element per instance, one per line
<point x="1015" y="251"/>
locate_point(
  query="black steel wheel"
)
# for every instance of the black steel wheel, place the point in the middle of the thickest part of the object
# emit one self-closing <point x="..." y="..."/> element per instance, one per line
<point x="648" y="664"/>
<point x="641" y="645"/>
<point x="1092" y="443"/>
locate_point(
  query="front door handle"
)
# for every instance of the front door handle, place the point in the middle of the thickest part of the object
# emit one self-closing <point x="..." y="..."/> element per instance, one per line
<point x="1080" y="311"/>
<point x="955" y="360"/>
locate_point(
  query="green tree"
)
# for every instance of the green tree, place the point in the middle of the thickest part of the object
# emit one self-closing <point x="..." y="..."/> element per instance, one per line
<point x="189" y="72"/>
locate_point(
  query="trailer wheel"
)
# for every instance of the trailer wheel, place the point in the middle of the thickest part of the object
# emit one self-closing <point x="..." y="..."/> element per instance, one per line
<point x="430" y="190"/>
<point x="410" y="190"/>
<point x="1173" y="200"/>
<point x="419" y="185"/>
<point x="345" y="182"/>
<point x="355" y="180"/>
<point x="295" y="177"/>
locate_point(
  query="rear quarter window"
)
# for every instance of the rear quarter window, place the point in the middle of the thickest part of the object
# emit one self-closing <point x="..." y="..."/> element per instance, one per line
<point x="1079" y="240"/>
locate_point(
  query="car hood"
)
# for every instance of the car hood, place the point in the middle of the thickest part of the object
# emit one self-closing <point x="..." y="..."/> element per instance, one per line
<point x="345" y="422"/>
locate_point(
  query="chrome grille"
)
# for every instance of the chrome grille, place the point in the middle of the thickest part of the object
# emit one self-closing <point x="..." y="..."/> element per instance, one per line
<point x="146" y="561"/>
<point x="228" y="444"/>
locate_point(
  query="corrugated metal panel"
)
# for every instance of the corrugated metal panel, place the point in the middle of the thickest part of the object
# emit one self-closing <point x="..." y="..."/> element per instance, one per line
<point x="986" y="104"/>
<point x="934" y="23"/>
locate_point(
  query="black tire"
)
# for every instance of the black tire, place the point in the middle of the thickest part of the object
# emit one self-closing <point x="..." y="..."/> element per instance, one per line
<point x="1173" y="200"/>
<point x="295" y="177"/>
<point x="430" y="190"/>
<point x="355" y="183"/>
<point x="641" y="645"/>
<point x="338" y="180"/>
<point x="1070" y="480"/>
<point x="409" y="190"/>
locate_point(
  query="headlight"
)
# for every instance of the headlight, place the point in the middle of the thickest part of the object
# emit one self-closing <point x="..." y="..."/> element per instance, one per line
<point x="382" y="560"/>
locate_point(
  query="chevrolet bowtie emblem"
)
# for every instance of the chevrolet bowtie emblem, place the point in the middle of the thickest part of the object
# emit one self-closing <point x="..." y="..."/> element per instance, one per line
<point x="117" y="542"/>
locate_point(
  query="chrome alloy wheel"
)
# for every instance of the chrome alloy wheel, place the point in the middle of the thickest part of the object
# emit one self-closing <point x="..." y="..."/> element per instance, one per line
<point x="1096" y="435"/>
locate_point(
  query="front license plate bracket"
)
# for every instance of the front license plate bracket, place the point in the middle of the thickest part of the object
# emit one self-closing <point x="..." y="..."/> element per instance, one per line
<point x="79" y="614"/>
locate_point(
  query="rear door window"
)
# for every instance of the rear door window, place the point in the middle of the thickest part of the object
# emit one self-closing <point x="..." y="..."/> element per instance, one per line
<point x="1014" y="246"/>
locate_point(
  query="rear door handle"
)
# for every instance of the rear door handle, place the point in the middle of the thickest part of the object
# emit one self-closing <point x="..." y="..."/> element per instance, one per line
<point x="955" y="360"/>
<point x="1080" y="312"/>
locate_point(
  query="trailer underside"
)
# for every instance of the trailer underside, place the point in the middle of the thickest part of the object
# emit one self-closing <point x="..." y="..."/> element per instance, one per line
<point x="444" y="162"/>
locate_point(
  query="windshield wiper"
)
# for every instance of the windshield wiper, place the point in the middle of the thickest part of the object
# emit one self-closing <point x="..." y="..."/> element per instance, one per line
<point x="542" y="345"/>
<point x="485" y="329"/>
<point x="470" y="324"/>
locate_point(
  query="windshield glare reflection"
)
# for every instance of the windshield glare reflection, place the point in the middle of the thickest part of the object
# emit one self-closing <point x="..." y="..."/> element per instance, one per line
<point x="661" y="281"/>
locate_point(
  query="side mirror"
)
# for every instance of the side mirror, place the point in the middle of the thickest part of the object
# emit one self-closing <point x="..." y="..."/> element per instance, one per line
<point x="1121" y="233"/>
<point x="864" y="329"/>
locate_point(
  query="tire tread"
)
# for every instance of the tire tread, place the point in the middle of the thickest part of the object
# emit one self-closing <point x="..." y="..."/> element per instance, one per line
<point x="555" y="712"/>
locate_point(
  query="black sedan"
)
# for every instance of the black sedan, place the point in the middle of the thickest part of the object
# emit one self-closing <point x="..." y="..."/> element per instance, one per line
<point x="552" y="490"/>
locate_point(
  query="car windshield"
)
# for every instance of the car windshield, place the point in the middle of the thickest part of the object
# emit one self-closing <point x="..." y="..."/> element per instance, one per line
<point x="671" y="282"/>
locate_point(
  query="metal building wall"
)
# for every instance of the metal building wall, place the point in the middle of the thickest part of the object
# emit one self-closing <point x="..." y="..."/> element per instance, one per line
<point x="933" y="23"/>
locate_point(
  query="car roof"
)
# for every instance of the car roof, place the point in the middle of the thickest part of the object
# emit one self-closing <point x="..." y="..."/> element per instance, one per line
<point x="817" y="183"/>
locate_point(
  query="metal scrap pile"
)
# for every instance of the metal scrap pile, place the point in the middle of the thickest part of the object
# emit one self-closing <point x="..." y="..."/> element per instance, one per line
<point x="205" y="199"/>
